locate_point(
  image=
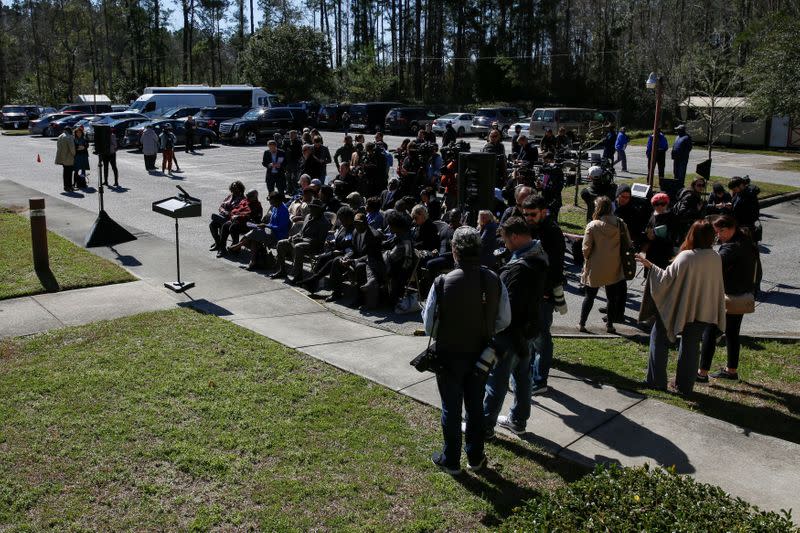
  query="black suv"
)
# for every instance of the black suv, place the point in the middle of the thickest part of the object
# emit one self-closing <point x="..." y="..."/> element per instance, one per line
<point x="18" y="116"/>
<point x="212" y="117"/>
<point x="330" y="116"/>
<point x="261" y="123"/>
<point x="311" y="109"/>
<point x="407" y="120"/>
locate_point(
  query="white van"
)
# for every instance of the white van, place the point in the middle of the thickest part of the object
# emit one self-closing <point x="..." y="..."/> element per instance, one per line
<point x="153" y="105"/>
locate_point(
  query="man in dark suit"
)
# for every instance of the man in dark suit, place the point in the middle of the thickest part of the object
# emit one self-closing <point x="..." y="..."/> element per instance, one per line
<point x="365" y="253"/>
<point x="273" y="161"/>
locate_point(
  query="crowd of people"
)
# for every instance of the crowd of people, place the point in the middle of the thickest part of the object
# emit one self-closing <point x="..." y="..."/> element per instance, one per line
<point x="391" y="226"/>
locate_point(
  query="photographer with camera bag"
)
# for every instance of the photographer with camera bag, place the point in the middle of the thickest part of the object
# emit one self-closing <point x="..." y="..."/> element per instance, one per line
<point x="524" y="277"/>
<point x="464" y="309"/>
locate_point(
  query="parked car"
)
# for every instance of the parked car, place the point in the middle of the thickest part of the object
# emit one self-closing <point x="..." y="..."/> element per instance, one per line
<point x="311" y="109"/>
<point x="93" y="109"/>
<point x="370" y="116"/>
<point x="46" y="111"/>
<point x="56" y="127"/>
<point x="211" y="117"/>
<point x="524" y="126"/>
<point x="486" y="116"/>
<point x="116" y="108"/>
<point x="180" y="111"/>
<point x="462" y="123"/>
<point x="261" y="123"/>
<point x="41" y="126"/>
<point x="407" y="120"/>
<point x="119" y="127"/>
<point x="107" y="118"/>
<point x="576" y="120"/>
<point x="17" y="116"/>
<point x="154" y="104"/>
<point x="132" y="138"/>
<point x="330" y="116"/>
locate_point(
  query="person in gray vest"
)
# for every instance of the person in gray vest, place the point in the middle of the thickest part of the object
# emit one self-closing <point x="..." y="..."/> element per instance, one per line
<point x="463" y="311"/>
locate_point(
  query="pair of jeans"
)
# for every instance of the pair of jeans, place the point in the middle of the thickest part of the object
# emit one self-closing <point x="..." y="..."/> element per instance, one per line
<point x="588" y="303"/>
<point x="622" y="158"/>
<point x="276" y="181"/>
<point x="733" y="325"/>
<point x="459" y="385"/>
<point x="661" y="159"/>
<point x="112" y="160"/>
<point x="517" y="366"/>
<point x="542" y="345"/>
<point x="688" y="353"/>
<point x="215" y="226"/>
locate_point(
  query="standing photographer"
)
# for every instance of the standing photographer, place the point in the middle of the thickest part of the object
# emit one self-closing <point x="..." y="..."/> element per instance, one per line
<point x="464" y="309"/>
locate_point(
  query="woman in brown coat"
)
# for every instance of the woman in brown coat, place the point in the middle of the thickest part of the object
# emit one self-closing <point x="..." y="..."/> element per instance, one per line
<point x="602" y="265"/>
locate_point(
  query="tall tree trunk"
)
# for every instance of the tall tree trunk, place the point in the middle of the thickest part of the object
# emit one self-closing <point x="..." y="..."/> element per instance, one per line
<point x="418" y="50"/>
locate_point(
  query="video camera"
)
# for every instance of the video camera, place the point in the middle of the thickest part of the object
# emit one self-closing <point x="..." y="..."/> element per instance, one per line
<point x="450" y="152"/>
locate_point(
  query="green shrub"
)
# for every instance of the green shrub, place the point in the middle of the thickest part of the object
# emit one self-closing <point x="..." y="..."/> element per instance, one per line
<point x="642" y="499"/>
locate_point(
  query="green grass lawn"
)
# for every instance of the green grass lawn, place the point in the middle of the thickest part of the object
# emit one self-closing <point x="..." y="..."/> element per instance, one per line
<point x="176" y="420"/>
<point x="791" y="165"/>
<point x="766" y="400"/>
<point x="72" y="267"/>
<point x="15" y="132"/>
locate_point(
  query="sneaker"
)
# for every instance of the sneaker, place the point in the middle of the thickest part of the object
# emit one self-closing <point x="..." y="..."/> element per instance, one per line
<point x="538" y="389"/>
<point x="480" y="465"/>
<point x="505" y="422"/>
<point x="438" y="460"/>
<point x="724" y="374"/>
<point x="701" y="378"/>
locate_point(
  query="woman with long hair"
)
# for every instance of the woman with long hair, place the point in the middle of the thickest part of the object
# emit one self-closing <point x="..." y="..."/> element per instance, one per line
<point x="602" y="266"/>
<point x="688" y="297"/>
<point x="739" y="264"/>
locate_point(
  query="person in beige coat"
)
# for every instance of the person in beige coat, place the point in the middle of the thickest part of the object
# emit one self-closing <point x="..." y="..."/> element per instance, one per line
<point x="65" y="156"/>
<point x="688" y="296"/>
<point x="602" y="265"/>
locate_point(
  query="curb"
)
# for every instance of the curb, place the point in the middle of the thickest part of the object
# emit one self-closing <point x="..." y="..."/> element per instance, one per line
<point x="774" y="200"/>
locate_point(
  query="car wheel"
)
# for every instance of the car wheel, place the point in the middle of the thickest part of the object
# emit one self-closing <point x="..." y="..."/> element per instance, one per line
<point x="205" y="141"/>
<point x="48" y="132"/>
<point x="461" y="131"/>
<point x="250" y="138"/>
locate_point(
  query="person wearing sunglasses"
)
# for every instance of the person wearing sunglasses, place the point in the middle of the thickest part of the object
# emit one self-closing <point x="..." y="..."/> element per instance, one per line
<point x="659" y="235"/>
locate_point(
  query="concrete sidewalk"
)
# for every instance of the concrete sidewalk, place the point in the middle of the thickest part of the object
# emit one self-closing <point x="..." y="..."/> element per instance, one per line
<point x="579" y="420"/>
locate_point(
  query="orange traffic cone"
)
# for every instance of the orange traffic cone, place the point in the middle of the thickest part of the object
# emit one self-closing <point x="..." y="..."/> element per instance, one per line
<point x="38" y="158"/>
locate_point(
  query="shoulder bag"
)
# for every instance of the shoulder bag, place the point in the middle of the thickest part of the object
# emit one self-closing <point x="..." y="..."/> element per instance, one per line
<point x="429" y="360"/>
<point x="626" y="253"/>
<point x="742" y="304"/>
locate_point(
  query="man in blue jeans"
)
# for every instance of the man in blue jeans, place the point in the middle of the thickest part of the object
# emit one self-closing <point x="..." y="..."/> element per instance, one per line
<point x="545" y="228"/>
<point x="524" y="278"/>
<point x="464" y="309"/>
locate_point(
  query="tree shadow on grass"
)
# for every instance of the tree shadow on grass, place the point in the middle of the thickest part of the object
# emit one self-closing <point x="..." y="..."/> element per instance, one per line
<point x="761" y="418"/>
<point x="502" y="493"/>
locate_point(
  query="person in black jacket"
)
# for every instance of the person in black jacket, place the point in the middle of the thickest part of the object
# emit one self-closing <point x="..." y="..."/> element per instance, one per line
<point x="310" y="165"/>
<point x="293" y="150"/>
<point x="744" y="206"/>
<point x="689" y="206"/>
<point x="660" y="233"/>
<point x="634" y="212"/>
<point x="345" y="152"/>
<point x="309" y="241"/>
<point x="527" y="154"/>
<point x="719" y="201"/>
<point x="273" y="161"/>
<point x="524" y="277"/>
<point x="551" y="184"/>
<point x="450" y="135"/>
<point x="364" y="256"/>
<point x="424" y="233"/>
<point x="341" y="244"/>
<point x="546" y="229"/>
<point x="739" y="266"/>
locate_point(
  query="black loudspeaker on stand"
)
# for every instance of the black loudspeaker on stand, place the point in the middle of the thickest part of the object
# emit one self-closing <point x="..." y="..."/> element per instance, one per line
<point x="105" y="231"/>
<point x="477" y="175"/>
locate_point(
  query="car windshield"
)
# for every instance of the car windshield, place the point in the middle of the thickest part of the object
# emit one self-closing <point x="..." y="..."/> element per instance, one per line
<point x="449" y="116"/>
<point x="253" y="114"/>
<point x="13" y="109"/>
<point x="138" y="105"/>
<point x="171" y="111"/>
<point x="491" y="113"/>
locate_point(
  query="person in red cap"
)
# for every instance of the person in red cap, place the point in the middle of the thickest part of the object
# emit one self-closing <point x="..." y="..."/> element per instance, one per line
<point x="661" y="231"/>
